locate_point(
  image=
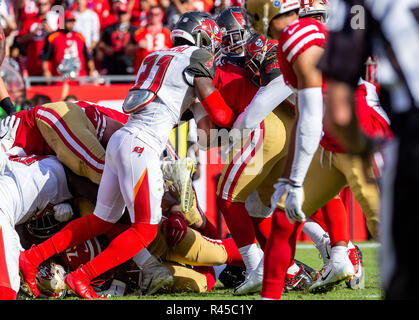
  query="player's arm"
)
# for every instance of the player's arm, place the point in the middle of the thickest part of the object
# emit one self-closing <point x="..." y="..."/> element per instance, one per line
<point x="204" y="126"/>
<point x="5" y="102"/>
<point x="308" y="126"/>
<point x="212" y="101"/>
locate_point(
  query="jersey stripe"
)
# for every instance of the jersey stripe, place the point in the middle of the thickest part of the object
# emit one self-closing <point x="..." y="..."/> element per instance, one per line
<point x="298" y="34"/>
<point x="304" y="42"/>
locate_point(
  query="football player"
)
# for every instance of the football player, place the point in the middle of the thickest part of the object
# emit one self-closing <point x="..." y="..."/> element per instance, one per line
<point x="30" y="185"/>
<point x="167" y="84"/>
<point x="300" y="46"/>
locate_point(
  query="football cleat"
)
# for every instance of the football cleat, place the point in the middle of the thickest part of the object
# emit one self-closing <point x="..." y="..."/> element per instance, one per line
<point x="298" y="282"/>
<point x="178" y="178"/>
<point x="28" y="272"/>
<point x="78" y="283"/>
<point x="357" y="281"/>
<point x="154" y="276"/>
<point x="252" y="283"/>
<point x="334" y="273"/>
<point x="314" y="274"/>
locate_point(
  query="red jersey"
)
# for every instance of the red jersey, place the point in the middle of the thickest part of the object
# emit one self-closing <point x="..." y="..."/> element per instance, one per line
<point x="60" y="44"/>
<point x="235" y="86"/>
<point x="34" y="46"/>
<point x="158" y="41"/>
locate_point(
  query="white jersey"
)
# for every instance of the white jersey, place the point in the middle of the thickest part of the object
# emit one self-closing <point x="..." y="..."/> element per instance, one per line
<point x="166" y="79"/>
<point x="33" y="183"/>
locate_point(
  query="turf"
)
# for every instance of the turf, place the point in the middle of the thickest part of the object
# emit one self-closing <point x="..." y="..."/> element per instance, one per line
<point x="308" y="254"/>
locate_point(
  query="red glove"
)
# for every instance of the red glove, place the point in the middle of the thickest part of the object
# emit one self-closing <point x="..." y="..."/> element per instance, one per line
<point x="174" y="228"/>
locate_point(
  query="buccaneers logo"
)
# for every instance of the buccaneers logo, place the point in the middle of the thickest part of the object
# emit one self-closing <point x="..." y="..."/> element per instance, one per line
<point x="259" y="47"/>
<point x="211" y="29"/>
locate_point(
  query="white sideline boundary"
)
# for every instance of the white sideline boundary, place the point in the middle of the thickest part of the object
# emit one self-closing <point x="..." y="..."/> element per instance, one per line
<point x="360" y="245"/>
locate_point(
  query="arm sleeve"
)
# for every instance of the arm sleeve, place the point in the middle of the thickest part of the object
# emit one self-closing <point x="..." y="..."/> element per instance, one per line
<point x="265" y="101"/>
<point x="201" y="65"/>
<point x="309" y="132"/>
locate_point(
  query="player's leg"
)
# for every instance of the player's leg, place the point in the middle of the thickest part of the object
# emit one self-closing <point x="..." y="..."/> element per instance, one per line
<point x="141" y="184"/>
<point x="9" y="259"/>
<point x="71" y="135"/>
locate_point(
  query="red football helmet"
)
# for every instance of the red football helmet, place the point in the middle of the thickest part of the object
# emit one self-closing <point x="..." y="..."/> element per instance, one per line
<point x="256" y="49"/>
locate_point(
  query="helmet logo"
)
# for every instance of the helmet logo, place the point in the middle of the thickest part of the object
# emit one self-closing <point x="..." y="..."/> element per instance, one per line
<point x="210" y="28"/>
<point x="259" y="43"/>
<point x="277" y="3"/>
<point x="239" y="17"/>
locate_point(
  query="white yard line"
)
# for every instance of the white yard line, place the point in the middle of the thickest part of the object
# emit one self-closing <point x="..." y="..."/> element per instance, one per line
<point x="361" y="245"/>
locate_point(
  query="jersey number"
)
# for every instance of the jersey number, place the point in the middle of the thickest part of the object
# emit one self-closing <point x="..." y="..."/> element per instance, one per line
<point x="153" y="80"/>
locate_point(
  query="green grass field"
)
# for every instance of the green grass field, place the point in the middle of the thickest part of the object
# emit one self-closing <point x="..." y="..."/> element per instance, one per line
<point x="308" y="254"/>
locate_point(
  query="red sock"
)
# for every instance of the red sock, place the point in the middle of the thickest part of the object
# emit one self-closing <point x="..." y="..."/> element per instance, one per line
<point x="262" y="229"/>
<point x="238" y="222"/>
<point x="7" y="293"/>
<point x="210" y="230"/>
<point x="116" y="230"/>
<point x="209" y="273"/>
<point x="74" y="233"/>
<point x="279" y="254"/>
<point x="121" y="249"/>
<point x="318" y="217"/>
<point x="336" y="220"/>
<point x="234" y="257"/>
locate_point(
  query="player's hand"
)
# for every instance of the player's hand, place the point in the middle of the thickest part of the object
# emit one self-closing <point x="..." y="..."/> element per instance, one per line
<point x="4" y="162"/>
<point x="293" y="203"/>
<point x="174" y="228"/>
<point x="8" y="129"/>
<point x="280" y="188"/>
<point x="63" y="212"/>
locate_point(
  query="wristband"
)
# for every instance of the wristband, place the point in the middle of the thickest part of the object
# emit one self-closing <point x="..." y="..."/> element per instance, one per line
<point x="7" y="105"/>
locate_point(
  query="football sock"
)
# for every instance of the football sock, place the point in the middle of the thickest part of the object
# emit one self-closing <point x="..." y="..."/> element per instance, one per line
<point x="234" y="257"/>
<point x="121" y="249"/>
<point x="116" y="229"/>
<point x="279" y="254"/>
<point x="313" y="230"/>
<point x="262" y="229"/>
<point x="74" y="233"/>
<point x="293" y="269"/>
<point x="210" y="230"/>
<point x="251" y="255"/>
<point x="141" y="257"/>
<point x="7" y="293"/>
<point x="238" y="222"/>
<point x="318" y="218"/>
<point x="336" y="220"/>
<point x="339" y="253"/>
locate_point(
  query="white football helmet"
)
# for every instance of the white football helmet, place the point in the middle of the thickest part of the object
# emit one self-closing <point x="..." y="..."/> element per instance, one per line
<point x="50" y="279"/>
<point x="311" y="8"/>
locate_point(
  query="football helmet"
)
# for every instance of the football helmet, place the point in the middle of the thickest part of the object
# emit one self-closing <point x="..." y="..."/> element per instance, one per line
<point x="200" y="29"/>
<point x="262" y="12"/>
<point x="236" y="28"/>
<point x="50" y="279"/>
<point x="313" y="8"/>
<point x="43" y="224"/>
<point x="256" y="49"/>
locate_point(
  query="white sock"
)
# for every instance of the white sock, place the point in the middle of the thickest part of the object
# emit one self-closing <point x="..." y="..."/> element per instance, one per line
<point x="350" y="245"/>
<point x="141" y="257"/>
<point x="314" y="231"/>
<point x="293" y="269"/>
<point x="251" y="255"/>
<point x="218" y="270"/>
<point x="339" y="253"/>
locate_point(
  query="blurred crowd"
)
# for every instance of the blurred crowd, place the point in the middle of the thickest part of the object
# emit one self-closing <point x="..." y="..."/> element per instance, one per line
<point x="104" y="37"/>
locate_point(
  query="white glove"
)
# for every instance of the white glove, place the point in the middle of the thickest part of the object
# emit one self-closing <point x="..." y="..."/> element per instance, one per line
<point x="4" y="162"/>
<point x="280" y="188"/>
<point x="293" y="203"/>
<point x="8" y="129"/>
<point x="63" y="212"/>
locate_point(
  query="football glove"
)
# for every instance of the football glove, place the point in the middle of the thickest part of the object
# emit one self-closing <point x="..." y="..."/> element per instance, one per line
<point x="63" y="212"/>
<point x="8" y="129"/>
<point x="280" y="188"/>
<point x="174" y="228"/>
<point x="293" y="203"/>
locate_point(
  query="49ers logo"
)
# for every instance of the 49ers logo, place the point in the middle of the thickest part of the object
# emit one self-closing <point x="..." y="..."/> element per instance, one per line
<point x="211" y="29"/>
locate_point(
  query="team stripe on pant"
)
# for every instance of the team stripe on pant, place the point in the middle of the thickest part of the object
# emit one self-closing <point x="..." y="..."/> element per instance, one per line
<point x="4" y="274"/>
<point x="142" y="203"/>
<point x="240" y="161"/>
<point x="69" y="139"/>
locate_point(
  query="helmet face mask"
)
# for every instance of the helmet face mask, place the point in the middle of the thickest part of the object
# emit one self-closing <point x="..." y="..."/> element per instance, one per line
<point x="256" y="48"/>
<point x="235" y="24"/>
<point x="316" y="9"/>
